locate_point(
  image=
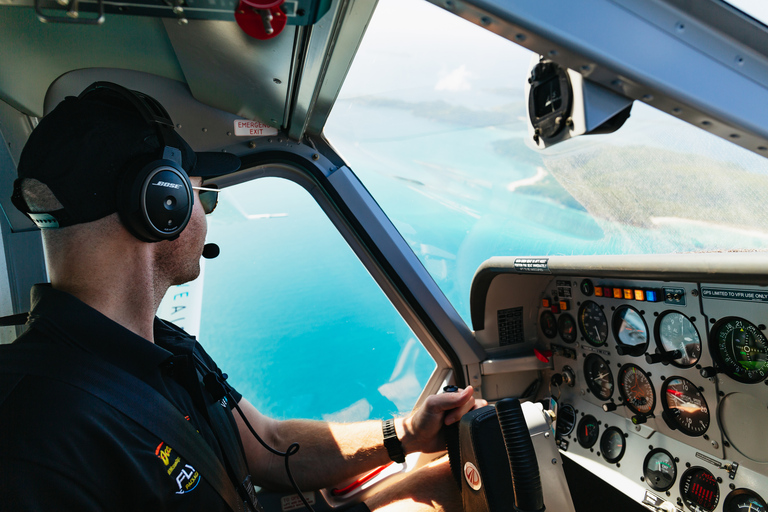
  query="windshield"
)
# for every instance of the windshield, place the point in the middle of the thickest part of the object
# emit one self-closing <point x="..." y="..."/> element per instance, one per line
<point x="432" y="118"/>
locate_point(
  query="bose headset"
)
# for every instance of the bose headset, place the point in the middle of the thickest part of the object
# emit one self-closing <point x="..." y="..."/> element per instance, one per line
<point x="154" y="196"/>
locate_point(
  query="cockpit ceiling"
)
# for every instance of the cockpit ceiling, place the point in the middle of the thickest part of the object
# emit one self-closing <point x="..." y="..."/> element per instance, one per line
<point x="221" y="65"/>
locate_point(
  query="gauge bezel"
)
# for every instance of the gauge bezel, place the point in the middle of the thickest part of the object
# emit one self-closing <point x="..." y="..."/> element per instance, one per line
<point x="624" y="397"/>
<point x="688" y="474"/>
<point x="660" y="346"/>
<point x="579" y="437"/>
<point x="631" y="350"/>
<point x="669" y="416"/>
<point x="560" y="329"/>
<point x="674" y="470"/>
<point x="573" y="424"/>
<point x="596" y="392"/>
<point x="721" y="362"/>
<point x="613" y="460"/>
<point x="739" y="492"/>
<point x="580" y="321"/>
<point x="549" y="334"/>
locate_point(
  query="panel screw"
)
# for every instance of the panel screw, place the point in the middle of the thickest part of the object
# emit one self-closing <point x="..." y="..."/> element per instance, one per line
<point x="554" y="461"/>
<point x="252" y="144"/>
<point x="315" y="157"/>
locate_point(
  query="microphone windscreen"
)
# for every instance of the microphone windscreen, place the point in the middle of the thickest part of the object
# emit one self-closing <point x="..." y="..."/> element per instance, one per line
<point x="210" y="251"/>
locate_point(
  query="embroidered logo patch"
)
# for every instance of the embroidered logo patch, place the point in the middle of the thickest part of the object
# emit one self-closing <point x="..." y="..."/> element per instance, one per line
<point x="178" y="470"/>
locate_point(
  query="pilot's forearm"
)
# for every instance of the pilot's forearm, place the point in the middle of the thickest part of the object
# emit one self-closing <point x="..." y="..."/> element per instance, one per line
<point x="329" y="453"/>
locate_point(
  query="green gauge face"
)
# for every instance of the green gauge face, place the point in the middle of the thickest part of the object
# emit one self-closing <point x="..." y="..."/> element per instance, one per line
<point x="684" y="406"/>
<point x="636" y="389"/>
<point x="612" y="445"/>
<point x="588" y="431"/>
<point x="744" y="500"/>
<point x="741" y="349"/>
<point x="598" y="376"/>
<point x="675" y="332"/>
<point x="659" y="470"/>
<point x="548" y="324"/>
<point x="592" y="323"/>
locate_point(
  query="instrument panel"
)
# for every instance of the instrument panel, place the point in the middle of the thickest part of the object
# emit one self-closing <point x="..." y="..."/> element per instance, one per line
<point x="660" y="384"/>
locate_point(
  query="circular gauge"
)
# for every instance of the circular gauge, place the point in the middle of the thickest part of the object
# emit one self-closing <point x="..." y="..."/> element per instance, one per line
<point x="588" y="431"/>
<point x="699" y="490"/>
<point x="659" y="469"/>
<point x="636" y="389"/>
<point x="741" y="349"/>
<point x="630" y="331"/>
<point x="566" y="420"/>
<point x="744" y="500"/>
<point x="593" y="324"/>
<point x="684" y="406"/>
<point x="548" y="324"/>
<point x="612" y="444"/>
<point x="598" y="376"/>
<point x="675" y="332"/>
<point x="566" y="326"/>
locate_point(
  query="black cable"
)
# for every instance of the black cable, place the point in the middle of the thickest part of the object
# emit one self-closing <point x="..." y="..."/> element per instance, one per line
<point x="219" y="386"/>
<point x="292" y="449"/>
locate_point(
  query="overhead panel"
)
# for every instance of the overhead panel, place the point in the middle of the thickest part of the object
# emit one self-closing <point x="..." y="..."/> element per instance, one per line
<point x="231" y="71"/>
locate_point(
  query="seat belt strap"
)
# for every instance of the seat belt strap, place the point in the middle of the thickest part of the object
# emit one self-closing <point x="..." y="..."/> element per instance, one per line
<point x="143" y="403"/>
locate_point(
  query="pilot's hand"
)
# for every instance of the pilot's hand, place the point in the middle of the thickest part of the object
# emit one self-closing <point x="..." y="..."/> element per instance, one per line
<point x="423" y="429"/>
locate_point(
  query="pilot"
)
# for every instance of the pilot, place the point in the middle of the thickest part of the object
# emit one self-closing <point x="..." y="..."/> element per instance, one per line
<point x="103" y="406"/>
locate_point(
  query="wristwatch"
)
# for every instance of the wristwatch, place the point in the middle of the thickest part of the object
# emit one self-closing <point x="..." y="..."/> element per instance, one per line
<point x="391" y="442"/>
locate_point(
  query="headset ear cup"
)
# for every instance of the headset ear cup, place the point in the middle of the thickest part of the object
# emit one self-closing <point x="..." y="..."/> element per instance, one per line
<point x="156" y="202"/>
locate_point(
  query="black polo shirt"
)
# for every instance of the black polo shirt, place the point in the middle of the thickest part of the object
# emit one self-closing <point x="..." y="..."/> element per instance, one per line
<point x="63" y="449"/>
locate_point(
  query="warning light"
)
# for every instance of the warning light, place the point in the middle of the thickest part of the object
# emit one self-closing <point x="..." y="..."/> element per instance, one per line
<point x="617" y="293"/>
<point x="639" y="295"/>
<point x="607" y="292"/>
<point x="565" y="305"/>
<point x="545" y="303"/>
<point x="628" y="294"/>
<point x="599" y="291"/>
<point x="555" y="308"/>
<point x="651" y="296"/>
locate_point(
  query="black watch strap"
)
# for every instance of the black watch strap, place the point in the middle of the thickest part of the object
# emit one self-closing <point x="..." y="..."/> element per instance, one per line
<point x="391" y="442"/>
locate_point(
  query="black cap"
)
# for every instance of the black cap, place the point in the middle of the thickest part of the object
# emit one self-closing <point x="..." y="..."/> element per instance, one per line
<point x="82" y="148"/>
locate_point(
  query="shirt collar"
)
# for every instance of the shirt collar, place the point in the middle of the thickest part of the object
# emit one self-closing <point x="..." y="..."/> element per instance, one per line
<point x="88" y="329"/>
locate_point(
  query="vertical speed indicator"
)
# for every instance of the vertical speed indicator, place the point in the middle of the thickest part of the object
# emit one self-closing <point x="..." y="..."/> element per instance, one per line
<point x="636" y="389"/>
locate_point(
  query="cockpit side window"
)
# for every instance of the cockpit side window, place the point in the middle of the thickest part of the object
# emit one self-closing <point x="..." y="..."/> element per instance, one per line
<point x="291" y="314"/>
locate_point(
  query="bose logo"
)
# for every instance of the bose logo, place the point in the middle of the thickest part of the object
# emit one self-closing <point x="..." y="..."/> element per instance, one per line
<point x="166" y="184"/>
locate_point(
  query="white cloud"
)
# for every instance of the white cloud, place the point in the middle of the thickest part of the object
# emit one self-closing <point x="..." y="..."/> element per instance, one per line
<point x="456" y="80"/>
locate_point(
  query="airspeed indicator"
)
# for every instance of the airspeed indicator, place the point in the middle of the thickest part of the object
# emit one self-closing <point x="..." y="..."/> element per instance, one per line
<point x="593" y="324"/>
